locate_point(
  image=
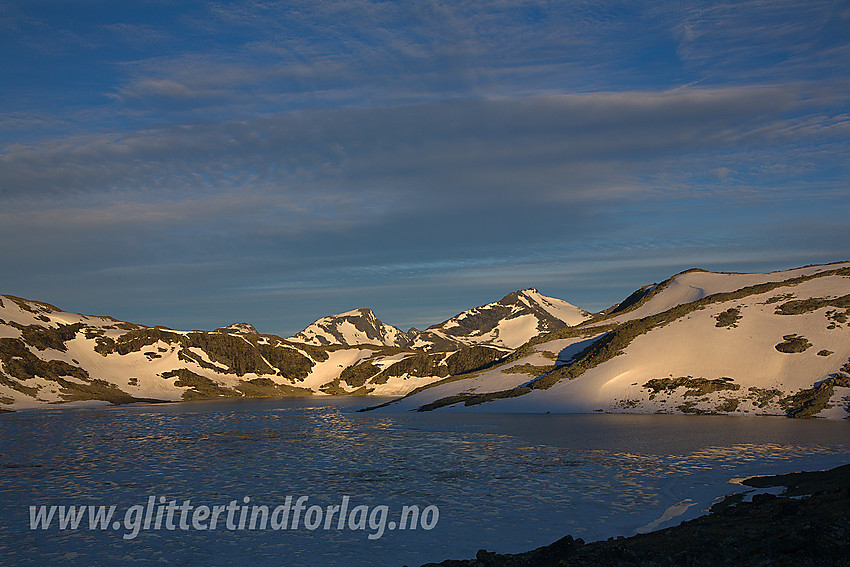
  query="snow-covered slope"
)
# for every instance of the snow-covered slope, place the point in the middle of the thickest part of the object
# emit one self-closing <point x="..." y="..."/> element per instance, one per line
<point x="510" y="322"/>
<point x="699" y="342"/>
<point x="49" y="356"/>
<point x="507" y="323"/>
<point x="742" y="344"/>
<point x="352" y="328"/>
<point x="694" y="284"/>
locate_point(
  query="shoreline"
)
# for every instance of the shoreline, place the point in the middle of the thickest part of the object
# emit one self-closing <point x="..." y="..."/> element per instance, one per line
<point x="808" y="524"/>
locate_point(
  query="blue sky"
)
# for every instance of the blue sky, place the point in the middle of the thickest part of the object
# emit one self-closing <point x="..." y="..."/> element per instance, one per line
<point x="197" y="163"/>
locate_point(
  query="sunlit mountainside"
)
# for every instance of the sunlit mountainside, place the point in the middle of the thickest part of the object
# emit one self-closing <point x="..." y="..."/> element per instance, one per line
<point x="699" y="342"/>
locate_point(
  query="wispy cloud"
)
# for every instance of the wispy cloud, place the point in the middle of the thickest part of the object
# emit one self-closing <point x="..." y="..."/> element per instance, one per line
<point x="758" y="40"/>
<point x="491" y="143"/>
<point x="223" y="152"/>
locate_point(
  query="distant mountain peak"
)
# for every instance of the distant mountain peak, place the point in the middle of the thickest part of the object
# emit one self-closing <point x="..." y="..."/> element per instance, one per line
<point x="239" y="328"/>
<point x="355" y="327"/>
<point x="510" y="322"/>
<point x="698" y="342"/>
<point x="507" y="323"/>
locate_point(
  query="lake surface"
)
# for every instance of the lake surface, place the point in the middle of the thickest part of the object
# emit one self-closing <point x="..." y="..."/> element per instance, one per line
<point x="506" y="483"/>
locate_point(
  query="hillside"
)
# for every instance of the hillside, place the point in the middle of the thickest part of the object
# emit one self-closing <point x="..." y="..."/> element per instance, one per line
<point x="508" y="323"/>
<point x="700" y="342"/>
<point x="352" y="328"/>
<point x="49" y="356"/>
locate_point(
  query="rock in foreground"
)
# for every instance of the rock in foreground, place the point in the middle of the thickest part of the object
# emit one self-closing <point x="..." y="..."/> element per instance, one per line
<point x="770" y="530"/>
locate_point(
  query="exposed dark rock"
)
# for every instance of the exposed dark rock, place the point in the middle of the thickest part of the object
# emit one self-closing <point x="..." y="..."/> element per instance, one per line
<point x="199" y="387"/>
<point x="812" y="401"/>
<point x="636" y="297"/>
<point x="43" y="338"/>
<point x="530" y="369"/>
<point x="356" y="376"/>
<point x="792" y="344"/>
<point x="287" y="360"/>
<point x="419" y="364"/>
<point x="618" y="338"/>
<point x="233" y="352"/>
<point x="770" y="530"/>
<point x="20" y="363"/>
<point x="800" y="306"/>
<point x="372" y="330"/>
<point x="838" y="317"/>
<point x="729" y="405"/>
<point x="728" y="318"/>
<point x="778" y="298"/>
<point x="135" y="340"/>
<point x="762" y="396"/>
<point x="34" y="307"/>
<point x="471" y="359"/>
<point x="238" y="328"/>
<point x="695" y="386"/>
<point x="268" y="388"/>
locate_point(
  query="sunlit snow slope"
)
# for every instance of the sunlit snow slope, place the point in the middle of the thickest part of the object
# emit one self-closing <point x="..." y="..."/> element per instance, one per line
<point x="742" y="344"/>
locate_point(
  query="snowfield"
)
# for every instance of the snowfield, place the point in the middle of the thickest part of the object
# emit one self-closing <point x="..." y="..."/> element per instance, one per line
<point x="700" y="342"/>
<point x="694" y="364"/>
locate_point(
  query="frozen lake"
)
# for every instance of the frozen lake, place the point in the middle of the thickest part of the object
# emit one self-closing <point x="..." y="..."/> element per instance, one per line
<point x="507" y="483"/>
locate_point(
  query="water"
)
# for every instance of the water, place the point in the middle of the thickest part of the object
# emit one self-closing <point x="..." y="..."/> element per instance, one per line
<point x="506" y="483"/>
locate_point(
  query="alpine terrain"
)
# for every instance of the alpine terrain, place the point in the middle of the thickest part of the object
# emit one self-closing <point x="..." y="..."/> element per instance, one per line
<point x="698" y="342"/>
<point x="49" y="356"/>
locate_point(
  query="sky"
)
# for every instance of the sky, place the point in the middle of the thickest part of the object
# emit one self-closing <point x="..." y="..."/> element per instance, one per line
<point x="193" y="164"/>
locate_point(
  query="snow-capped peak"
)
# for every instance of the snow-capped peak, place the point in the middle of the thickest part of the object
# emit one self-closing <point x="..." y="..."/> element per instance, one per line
<point x="356" y="327"/>
<point x="558" y="308"/>
<point x="241" y="328"/>
<point x="510" y="322"/>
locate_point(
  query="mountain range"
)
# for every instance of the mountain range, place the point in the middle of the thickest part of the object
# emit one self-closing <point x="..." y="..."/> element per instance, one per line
<point x="507" y="323"/>
<point x="699" y="342"/>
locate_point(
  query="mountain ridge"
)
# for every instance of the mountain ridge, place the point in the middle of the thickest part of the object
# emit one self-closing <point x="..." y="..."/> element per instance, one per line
<point x="509" y="322"/>
<point x="355" y="327"/>
<point x="49" y="356"/>
<point x="699" y="342"/>
<point x="783" y="337"/>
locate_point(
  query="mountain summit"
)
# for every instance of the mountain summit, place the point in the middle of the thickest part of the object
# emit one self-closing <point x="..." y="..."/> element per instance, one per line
<point x="699" y="342"/>
<point x="238" y="328"/>
<point x="352" y="328"/>
<point x="508" y="323"/>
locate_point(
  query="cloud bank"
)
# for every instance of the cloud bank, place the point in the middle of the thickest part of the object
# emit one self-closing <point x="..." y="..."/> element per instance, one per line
<point x="276" y="161"/>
